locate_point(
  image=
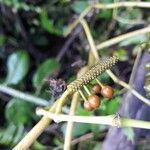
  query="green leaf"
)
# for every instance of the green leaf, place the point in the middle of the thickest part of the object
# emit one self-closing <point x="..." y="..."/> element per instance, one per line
<point x="113" y="105"/>
<point x="79" y="6"/>
<point x="78" y="130"/>
<point x="18" y="111"/>
<point x="96" y="128"/>
<point x="134" y="40"/>
<point x="129" y="16"/>
<point x="82" y="112"/>
<point x="102" y="110"/>
<point x="48" y="24"/>
<point x="3" y="40"/>
<point x="18" y="65"/>
<point x="45" y="69"/>
<point x="129" y="133"/>
<point x="122" y="54"/>
<point x="8" y="134"/>
<point x="105" y="13"/>
<point x="11" y="134"/>
<point x="98" y="146"/>
<point x="18" y="134"/>
<point x="38" y="146"/>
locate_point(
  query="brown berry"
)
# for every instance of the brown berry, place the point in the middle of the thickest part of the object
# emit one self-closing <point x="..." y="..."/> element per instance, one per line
<point x="96" y="89"/>
<point x="94" y="101"/>
<point x="87" y="106"/>
<point x="107" y="91"/>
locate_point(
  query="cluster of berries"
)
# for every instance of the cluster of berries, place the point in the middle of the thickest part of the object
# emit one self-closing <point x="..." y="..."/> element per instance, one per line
<point x="94" y="100"/>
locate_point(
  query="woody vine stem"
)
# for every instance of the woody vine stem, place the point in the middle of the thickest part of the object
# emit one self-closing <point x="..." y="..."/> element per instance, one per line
<point x="28" y="140"/>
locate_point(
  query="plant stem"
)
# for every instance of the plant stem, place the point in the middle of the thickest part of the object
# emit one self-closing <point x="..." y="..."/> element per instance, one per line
<point x="111" y="74"/>
<point x="104" y="6"/>
<point x="35" y="132"/>
<point x="23" y="96"/>
<point x="90" y="39"/>
<point x="122" y="4"/>
<point x="82" y="95"/>
<point x="69" y="129"/>
<point x="87" y="90"/>
<point x="75" y="23"/>
<point x="99" y="83"/>
<point x="120" y="38"/>
<point x="127" y="86"/>
<point x="106" y="120"/>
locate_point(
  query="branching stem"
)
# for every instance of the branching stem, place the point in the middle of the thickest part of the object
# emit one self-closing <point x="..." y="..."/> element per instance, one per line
<point x="106" y="120"/>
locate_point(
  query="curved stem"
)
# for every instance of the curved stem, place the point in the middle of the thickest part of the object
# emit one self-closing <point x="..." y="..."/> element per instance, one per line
<point x="24" y="96"/>
<point x="111" y="74"/>
<point x="90" y="39"/>
<point x="127" y="86"/>
<point x="106" y="120"/>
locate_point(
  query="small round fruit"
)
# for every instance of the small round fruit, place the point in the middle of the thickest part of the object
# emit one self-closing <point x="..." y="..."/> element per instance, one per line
<point x="87" y="106"/>
<point x="107" y="91"/>
<point x="94" y="101"/>
<point x="96" y="89"/>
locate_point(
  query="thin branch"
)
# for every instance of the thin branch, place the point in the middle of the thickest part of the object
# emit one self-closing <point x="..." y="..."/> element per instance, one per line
<point x="23" y="96"/>
<point x="75" y="23"/>
<point x="122" y="4"/>
<point x="69" y="129"/>
<point x="127" y="86"/>
<point x="90" y="39"/>
<point x="120" y="38"/>
<point x="26" y="142"/>
<point x="36" y="131"/>
<point x="135" y="66"/>
<point x="111" y="74"/>
<point x="105" y="120"/>
<point x="104" y="6"/>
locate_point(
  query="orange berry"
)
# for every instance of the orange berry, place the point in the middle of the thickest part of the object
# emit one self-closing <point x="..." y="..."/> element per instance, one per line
<point x="96" y="89"/>
<point x="94" y="101"/>
<point x="107" y="91"/>
<point x="87" y="106"/>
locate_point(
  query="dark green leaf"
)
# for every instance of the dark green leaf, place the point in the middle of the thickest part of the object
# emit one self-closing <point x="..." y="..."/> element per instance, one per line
<point x="44" y="70"/>
<point x="106" y="13"/>
<point x="18" y="111"/>
<point x="82" y="112"/>
<point x="7" y="135"/>
<point x="48" y="24"/>
<point x="79" y="129"/>
<point x="38" y="146"/>
<point x="113" y="105"/>
<point x="18" y="134"/>
<point x="79" y="6"/>
<point x="96" y="127"/>
<point x="18" y="65"/>
<point x="3" y="40"/>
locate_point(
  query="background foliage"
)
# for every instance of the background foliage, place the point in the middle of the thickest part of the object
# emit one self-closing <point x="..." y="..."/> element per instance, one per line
<point x="31" y="40"/>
